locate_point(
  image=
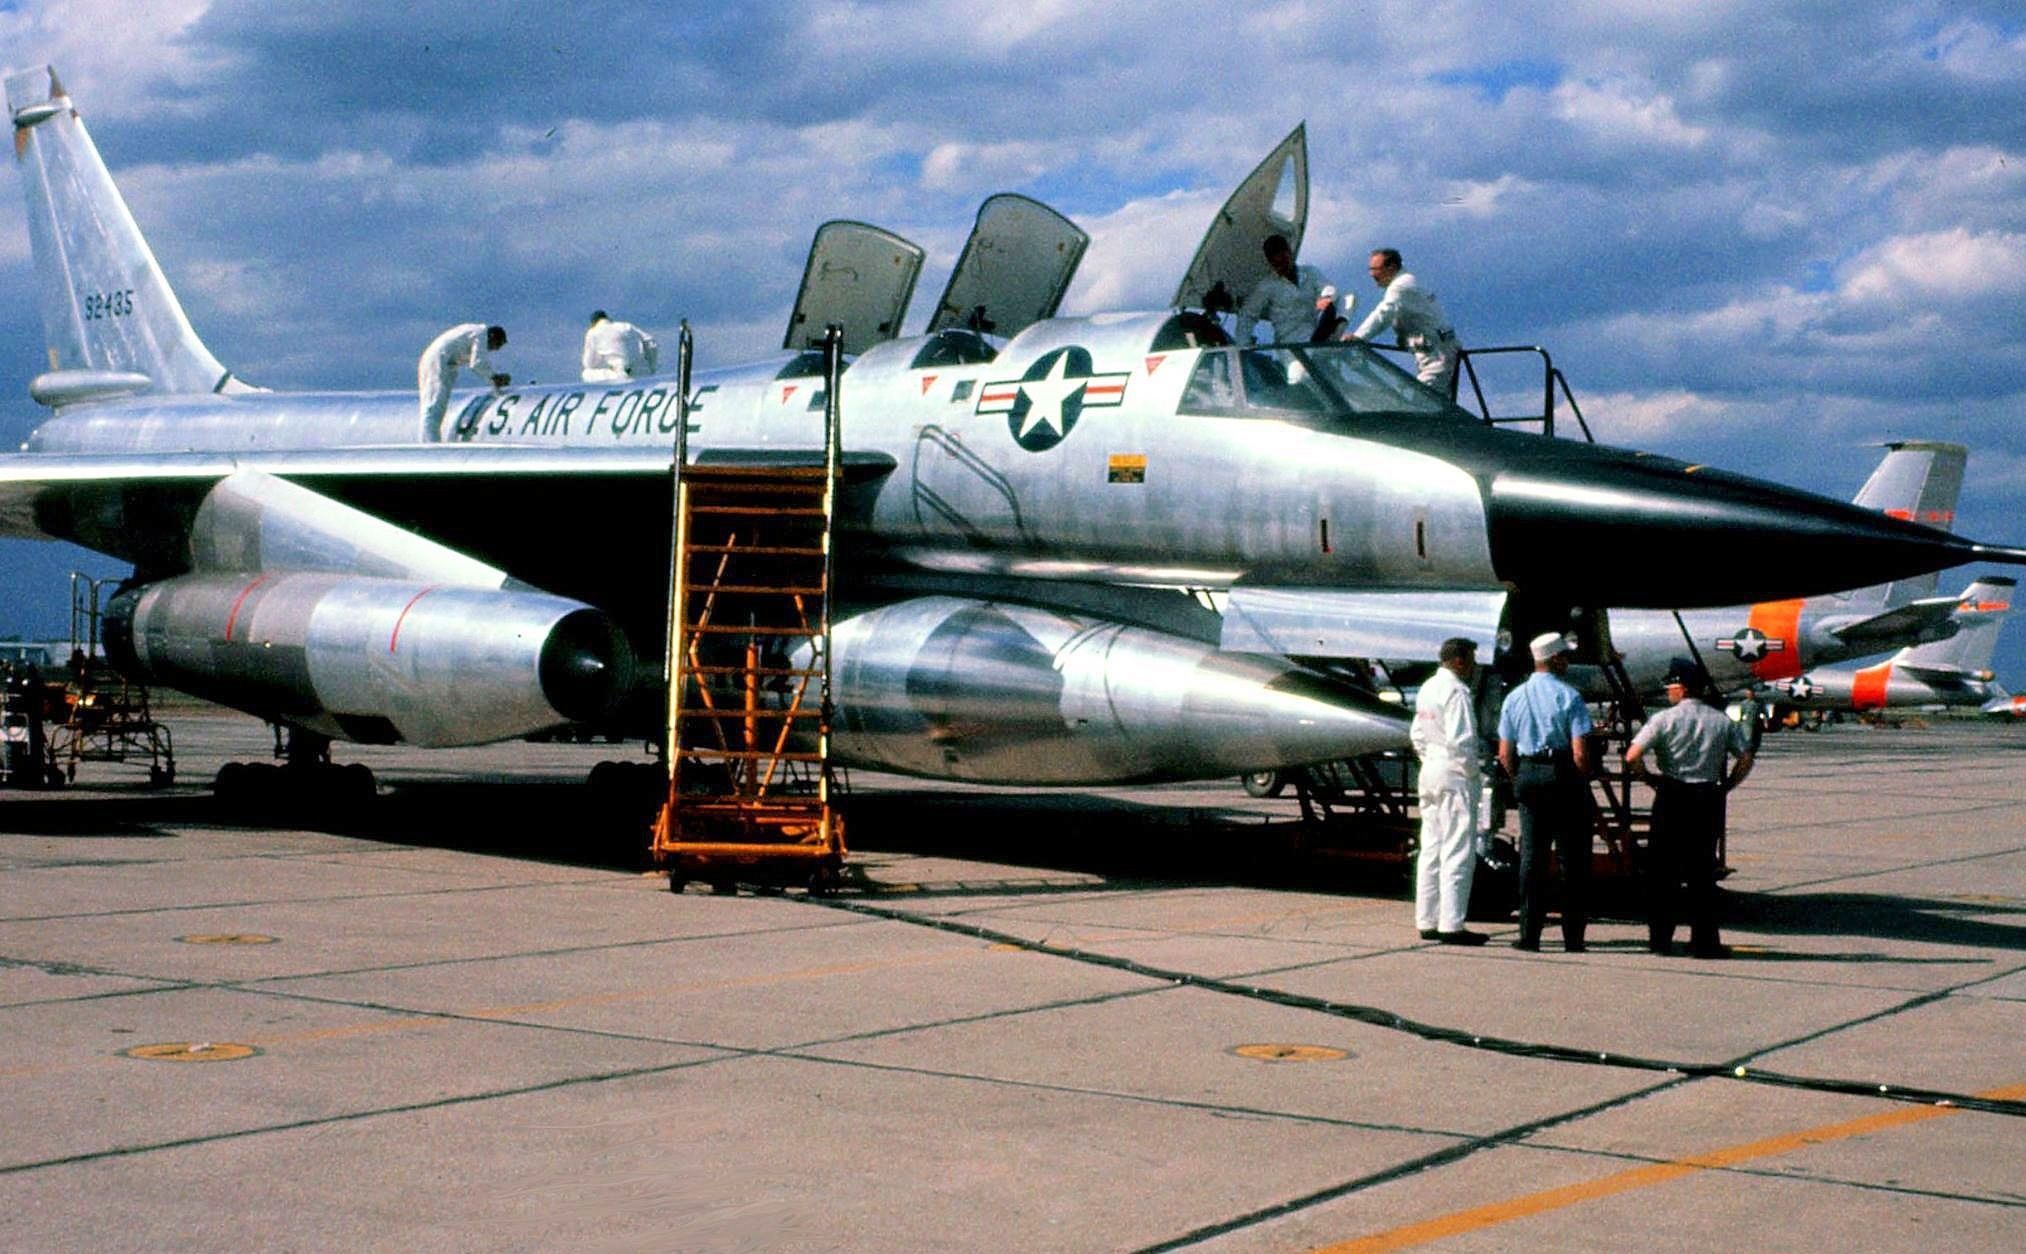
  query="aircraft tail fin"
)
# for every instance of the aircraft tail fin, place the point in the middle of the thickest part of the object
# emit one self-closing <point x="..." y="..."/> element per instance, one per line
<point x="1918" y="481"/>
<point x="111" y="322"/>
<point x="1980" y="615"/>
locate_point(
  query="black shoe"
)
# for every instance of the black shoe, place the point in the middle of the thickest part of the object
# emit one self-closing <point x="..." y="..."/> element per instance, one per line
<point x="1574" y="947"/>
<point x="1462" y="936"/>
<point x="1529" y="946"/>
<point x="1711" y="951"/>
<point x="1429" y="933"/>
<point x="1664" y="948"/>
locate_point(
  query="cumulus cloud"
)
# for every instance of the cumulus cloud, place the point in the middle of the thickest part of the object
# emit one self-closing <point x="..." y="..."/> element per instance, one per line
<point x="1946" y="267"/>
<point x="1620" y="113"/>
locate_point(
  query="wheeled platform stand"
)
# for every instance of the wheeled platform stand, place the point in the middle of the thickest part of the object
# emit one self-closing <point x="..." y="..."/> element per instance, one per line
<point x="749" y="779"/>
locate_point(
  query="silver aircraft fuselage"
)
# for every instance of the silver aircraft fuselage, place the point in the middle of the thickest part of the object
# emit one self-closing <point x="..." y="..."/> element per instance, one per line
<point x="1002" y="517"/>
<point x="1120" y="468"/>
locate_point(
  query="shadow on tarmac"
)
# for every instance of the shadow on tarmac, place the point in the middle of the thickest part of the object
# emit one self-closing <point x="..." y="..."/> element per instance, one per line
<point x="1120" y="844"/>
<point x="1881" y="916"/>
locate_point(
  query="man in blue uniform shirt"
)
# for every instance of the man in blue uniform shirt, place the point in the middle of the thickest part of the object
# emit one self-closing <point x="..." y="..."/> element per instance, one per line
<point x="1540" y="743"/>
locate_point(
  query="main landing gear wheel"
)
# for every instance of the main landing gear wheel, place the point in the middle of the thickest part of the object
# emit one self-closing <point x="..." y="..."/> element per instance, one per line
<point x="825" y="880"/>
<point x="1263" y="783"/>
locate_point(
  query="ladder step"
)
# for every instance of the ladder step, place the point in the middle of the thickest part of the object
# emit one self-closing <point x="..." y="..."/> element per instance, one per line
<point x="782" y="810"/>
<point x="775" y="714"/>
<point x="767" y="511"/>
<point x="753" y="631"/>
<point x="751" y="755"/>
<point x="726" y="849"/>
<point x="795" y="672"/>
<point x="752" y="588"/>
<point x="703" y="472"/>
<point x="768" y="550"/>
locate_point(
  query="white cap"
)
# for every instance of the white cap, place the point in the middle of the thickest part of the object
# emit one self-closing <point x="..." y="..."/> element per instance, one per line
<point x="1328" y="295"/>
<point x="1548" y="644"/>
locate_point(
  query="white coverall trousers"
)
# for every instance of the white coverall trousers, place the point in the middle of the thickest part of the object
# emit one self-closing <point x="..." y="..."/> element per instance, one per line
<point x="1435" y="362"/>
<point x="462" y="346"/>
<point x="1448" y="858"/>
<point x="436" y="378"/>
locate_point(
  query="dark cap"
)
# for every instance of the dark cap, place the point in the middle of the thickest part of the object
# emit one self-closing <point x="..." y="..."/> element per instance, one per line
<point x="1686" y="673"/>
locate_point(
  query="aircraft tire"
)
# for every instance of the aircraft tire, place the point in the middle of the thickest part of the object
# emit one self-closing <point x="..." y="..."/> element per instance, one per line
<point x="1263" y="784"/>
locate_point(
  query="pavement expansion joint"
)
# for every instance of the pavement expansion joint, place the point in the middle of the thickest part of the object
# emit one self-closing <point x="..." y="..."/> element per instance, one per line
<point x="2006" y="1103"/>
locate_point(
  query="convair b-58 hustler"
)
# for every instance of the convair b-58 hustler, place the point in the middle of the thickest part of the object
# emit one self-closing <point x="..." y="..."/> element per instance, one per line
<point x="1026" y="524"/>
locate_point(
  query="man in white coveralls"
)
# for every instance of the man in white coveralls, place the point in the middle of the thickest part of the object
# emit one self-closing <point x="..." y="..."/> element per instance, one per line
<point x="465" y="346"/>
<point x="1445" y="739"/>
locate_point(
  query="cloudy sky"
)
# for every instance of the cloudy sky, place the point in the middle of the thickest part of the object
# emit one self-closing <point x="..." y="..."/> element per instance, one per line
<point x="1761" y="235"/>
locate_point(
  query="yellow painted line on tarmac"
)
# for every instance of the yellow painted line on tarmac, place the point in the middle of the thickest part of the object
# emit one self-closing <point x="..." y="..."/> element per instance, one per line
<point x="1478" y="1218"/>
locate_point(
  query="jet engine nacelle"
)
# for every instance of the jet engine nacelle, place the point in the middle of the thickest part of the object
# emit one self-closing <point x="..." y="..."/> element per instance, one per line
<point x="1003" y="693"/>
<point x="374" y="660"/>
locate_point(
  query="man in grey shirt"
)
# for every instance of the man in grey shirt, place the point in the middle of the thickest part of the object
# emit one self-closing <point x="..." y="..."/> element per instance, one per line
<point x="1689" y="742"/>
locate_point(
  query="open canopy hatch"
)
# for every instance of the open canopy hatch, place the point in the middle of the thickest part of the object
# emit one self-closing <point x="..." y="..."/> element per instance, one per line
<point x="1273" y="200"/>
<point x="1013" y="270"/>
<point x="860" y="278"/>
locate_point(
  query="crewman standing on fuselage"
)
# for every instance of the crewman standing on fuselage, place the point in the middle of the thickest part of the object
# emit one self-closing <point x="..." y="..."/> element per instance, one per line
<point x="1416" y="318"/>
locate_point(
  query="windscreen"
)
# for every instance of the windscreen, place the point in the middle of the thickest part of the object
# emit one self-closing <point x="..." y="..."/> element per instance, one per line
<point x="1369" y="384"/>
<point x="1321" y="380"/>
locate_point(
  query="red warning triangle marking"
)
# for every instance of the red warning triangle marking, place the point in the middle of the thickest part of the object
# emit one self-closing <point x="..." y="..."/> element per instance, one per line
<point x="928" y="381"/>
<point x="787" y="392"/>
<point x="1154" y="363"/>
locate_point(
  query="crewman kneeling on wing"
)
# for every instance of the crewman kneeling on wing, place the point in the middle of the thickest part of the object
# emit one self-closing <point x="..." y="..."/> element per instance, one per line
<point x="617" y="351"/>
<point x="1688" y="742"/>
<point x="464" y="346"/>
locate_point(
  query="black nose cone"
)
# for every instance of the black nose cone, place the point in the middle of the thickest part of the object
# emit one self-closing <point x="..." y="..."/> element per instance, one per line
<point x="1656" y="533"/>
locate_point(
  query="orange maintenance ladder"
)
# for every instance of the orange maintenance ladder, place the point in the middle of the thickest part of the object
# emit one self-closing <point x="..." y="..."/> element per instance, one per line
<point x="749" y="787"/>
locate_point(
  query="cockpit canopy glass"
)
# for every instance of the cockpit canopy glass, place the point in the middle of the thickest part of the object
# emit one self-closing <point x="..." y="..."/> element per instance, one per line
<point x="953" y="346"/>
<point x="1371" y="384"/>
<point x="1316" y="380"/>
<point x="803" y="365"/>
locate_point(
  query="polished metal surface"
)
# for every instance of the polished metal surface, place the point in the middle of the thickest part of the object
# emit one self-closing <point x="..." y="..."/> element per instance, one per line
<point x="253" y="521"/>
<point x="1005" y="693"/>
<point x="377" y="660"/>
<point x="1396" y="625"/>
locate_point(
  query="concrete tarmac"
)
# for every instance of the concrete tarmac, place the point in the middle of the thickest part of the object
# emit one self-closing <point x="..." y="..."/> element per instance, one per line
<point x="1113" y="1019"/>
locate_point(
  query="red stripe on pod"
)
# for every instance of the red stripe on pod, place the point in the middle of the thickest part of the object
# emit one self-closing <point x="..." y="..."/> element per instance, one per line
<point x="232" y="617"/>
<point x="395" y="637"/>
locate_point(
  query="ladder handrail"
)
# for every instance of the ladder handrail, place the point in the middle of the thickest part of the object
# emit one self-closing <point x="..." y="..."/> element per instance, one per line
<point x="1553" y="384"/>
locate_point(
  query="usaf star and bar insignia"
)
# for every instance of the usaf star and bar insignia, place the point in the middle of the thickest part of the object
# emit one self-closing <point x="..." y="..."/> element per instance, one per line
<point x="1751" y="644"/>
<point x="1043" y="405"/>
